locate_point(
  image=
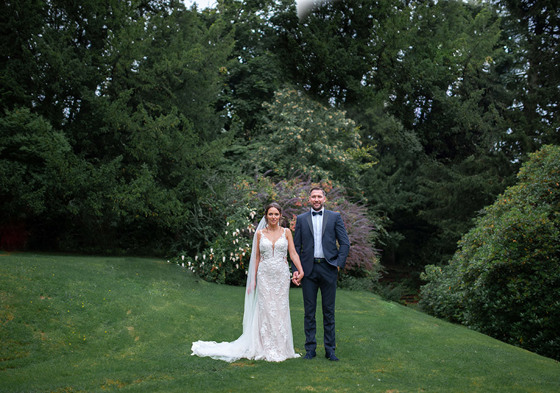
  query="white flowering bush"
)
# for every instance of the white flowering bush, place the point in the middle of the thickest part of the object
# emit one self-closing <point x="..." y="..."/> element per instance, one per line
<point x="308" y="138"/>
<point x="226" y="259"/>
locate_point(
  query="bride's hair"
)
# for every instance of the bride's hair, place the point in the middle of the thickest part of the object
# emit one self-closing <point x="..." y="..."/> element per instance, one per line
<point x="276" y="206"/>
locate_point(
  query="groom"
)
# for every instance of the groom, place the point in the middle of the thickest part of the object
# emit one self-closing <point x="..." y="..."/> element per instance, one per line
<point x="316" y="235"/>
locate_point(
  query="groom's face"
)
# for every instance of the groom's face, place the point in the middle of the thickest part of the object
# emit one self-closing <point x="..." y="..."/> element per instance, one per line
<point x="317" y="199"/>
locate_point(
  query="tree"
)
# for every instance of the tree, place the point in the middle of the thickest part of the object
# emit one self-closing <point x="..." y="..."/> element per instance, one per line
<point x="448" y="92"/>
<point x="504" y="279"/>
<point x="531" y="29"/>
<point x="308" y="138"/>
<point x="340" y="47"/>
<point x="36" y="173"/>
<point x="20" y="21"/>
<point x="162" y="100"/>
<point x="254" y="72"/>
<point x="132" y="88"/>
<point x="424" y="82"/>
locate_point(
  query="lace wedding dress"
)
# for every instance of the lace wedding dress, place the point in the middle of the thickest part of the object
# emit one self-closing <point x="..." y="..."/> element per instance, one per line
<point x="267" y="327"/>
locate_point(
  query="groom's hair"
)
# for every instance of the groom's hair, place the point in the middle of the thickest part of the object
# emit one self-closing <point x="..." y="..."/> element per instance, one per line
<point x="317" y="188"/>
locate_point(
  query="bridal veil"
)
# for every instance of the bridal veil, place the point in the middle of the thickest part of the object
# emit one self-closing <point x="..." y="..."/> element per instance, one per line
<point x="248" y="345"/>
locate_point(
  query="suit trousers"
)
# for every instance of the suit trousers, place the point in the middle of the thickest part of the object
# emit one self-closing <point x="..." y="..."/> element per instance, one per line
<point x="323" y="277"/>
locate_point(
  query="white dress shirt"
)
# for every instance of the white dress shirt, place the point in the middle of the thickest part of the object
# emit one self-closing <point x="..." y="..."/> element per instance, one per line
<point x="318" y="233"/>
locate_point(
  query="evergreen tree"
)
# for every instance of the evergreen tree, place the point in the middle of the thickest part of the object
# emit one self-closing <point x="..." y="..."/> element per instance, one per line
<point x="132" y="87"/>
<point x="450" y="94"/>
<point x="424" y="81"/>
<point x="533" y="39"/>
<point x="254" y="72"/>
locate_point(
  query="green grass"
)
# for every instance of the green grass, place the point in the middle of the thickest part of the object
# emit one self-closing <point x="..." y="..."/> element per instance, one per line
<point x="95" y="324"/>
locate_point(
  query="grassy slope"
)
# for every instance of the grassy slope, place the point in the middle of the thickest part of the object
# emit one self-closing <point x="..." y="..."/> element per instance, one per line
<point x="95" y="324"/>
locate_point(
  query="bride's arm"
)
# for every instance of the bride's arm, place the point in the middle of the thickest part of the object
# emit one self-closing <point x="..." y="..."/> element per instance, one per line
<point x="253" y="284"/>
<point x="294" y="255"/>
<point x="257" y="254"/>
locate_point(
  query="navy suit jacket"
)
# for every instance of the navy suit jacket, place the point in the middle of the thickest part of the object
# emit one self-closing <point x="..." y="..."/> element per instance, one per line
<point x="333" y="231"/>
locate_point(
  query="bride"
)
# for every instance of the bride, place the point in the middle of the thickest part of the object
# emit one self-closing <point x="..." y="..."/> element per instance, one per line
<point x="267" y="327"/>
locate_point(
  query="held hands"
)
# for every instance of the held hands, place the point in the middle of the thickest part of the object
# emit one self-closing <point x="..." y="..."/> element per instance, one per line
<point x="297" y="277"/>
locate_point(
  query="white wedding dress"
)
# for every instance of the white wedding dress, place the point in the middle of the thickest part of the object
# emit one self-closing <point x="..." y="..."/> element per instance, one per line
<point x="267" y="327"/>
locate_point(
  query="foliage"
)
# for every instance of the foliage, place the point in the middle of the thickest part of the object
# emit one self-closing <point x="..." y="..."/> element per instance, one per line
<point x="34" y="157"/>
<point x="462" y="125"/>
<point x="504" y="280"/>
<point x="532" y="40"/>
<point x="448" y="95"/>
<point x="41" y="180"/>
<point x="362" y="280"/>
<point x="342" y="50"/>
<point x="425" y="83"/>
<point x="254" y="72"/>
<point x="127" y="92"/>
<point x="306" y="137"/>
<point x="442" y="296"/>
<point x="147" y="98"/>
<point x="225" y="258"/>
<point x="161" y="117"/>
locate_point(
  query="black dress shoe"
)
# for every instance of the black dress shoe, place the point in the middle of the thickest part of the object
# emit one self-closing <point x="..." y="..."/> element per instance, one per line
<point x="309" y="355"/>
<point x="332" y="357"/>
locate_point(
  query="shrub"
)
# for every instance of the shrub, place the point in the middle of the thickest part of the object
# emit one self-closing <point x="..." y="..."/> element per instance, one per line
<point x="225" y="258"/>
<point x="504" y="280"/>
<point x="304" y="135"/>
<point x="442" y="294"/>
<point x="363" y="230"/>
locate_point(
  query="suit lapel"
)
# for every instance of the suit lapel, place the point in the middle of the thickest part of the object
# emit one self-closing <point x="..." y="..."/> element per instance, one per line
<point x="309" y="221"/>
<point x="325" y="219"/>
<point x="326" y="216"/>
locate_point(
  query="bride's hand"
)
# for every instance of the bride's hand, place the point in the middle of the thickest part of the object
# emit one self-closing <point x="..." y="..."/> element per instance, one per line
<point x="252" y="287"/>
<point x="295" y="277"/>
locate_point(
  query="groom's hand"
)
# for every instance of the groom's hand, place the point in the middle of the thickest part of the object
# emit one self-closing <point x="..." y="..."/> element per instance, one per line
<point x="295" y="278"/>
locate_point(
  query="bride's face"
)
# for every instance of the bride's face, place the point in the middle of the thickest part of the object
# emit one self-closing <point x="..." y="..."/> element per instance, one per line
<point x="272" y="216"/>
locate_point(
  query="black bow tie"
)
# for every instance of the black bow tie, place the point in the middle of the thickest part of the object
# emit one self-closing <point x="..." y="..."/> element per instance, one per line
<point x="319" y="213"/>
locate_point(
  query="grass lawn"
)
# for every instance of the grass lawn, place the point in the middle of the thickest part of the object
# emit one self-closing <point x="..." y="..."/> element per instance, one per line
<point x="99" y="324"/>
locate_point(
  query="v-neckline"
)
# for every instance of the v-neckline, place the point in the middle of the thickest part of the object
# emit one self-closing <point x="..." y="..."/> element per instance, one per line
<point x="279" y="237"/>
<point x="276" y="241"/>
